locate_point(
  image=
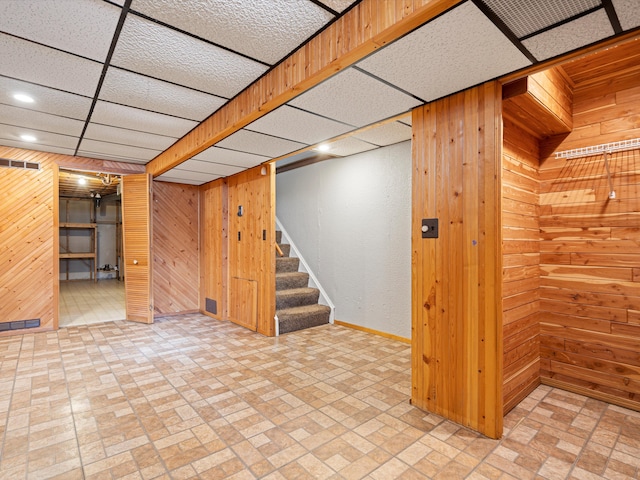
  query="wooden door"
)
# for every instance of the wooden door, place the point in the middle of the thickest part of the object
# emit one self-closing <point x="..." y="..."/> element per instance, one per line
<point x="136" y="231"/>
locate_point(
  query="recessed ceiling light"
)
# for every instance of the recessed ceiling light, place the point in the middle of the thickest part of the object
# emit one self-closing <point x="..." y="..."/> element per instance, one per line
<point x="21" y="97"/>
<point x="82" y="181"/>
<point x="28" y="138"/>
<point x="323" y="147"/>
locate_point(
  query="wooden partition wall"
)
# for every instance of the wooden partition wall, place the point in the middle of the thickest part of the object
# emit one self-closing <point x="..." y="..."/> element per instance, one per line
<point x="238" y="249"/>
<point x="175" y="248"/>
<point x="456" y="278"/>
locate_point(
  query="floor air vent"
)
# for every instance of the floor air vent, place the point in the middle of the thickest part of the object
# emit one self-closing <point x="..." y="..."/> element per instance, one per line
<point x="20" y="324"/>
<point x="6" y="162"/>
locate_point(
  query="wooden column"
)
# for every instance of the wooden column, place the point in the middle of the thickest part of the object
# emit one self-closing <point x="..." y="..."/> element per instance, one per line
<point x="456" y="278"/>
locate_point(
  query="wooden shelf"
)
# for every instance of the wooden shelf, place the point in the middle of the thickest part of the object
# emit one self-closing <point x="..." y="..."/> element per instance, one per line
<point x="78" y="255"/>
<point x="77" y="225"/>
<point x="91" y="257"/>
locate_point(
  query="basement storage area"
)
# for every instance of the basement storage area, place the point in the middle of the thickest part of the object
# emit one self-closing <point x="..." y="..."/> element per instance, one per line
<point x="571" y="229"/>
<point x="90" y="248"/>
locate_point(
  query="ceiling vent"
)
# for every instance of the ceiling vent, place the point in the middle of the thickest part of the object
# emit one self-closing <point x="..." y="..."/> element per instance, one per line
<point x="6" y="162"/>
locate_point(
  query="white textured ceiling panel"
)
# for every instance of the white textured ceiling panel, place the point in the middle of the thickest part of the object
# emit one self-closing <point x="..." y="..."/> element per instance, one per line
<point x="201" y="166"/>
<point x="127" y="88"/>
<point x="455" y="51"/>
<point x="628" y="13"/>
<point x="259" y="144"/>
<point x="84" y="28"/>
<point x="338" y="5"/>
<point x="293" y="124"/>
<point x="527" y="17"/>
<point x="387" y="134"/>
<point x="349" y="146"/>
<point x="266" y="30"/>
<point x="231" y="157"/>
<point x="166" y="178"/>
<point x="31" y="146"/>
<point x="193" y="176"/>
<point x="140" y="120"/>
<point x="24" y="60"/>
<point x="123" y="153"/>
<point x="43" y="139"/>
<point x="46" y="100"/>
<point x="572" y="35"/>
<point x="355" y="98"/>
<point x="22" y="117"/>
<point x="160" y="52"/>
<point x="123" y="136"/>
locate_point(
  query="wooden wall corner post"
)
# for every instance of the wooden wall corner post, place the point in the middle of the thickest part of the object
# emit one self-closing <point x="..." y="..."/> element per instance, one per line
<point x="56" y="247"/>
<point x="456" y="277"/>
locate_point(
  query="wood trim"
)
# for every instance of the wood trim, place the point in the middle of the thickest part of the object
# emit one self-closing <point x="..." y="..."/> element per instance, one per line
<point x="390" y="336"/>
<point x="56" y="247"/>
<point x="363" y="29"/>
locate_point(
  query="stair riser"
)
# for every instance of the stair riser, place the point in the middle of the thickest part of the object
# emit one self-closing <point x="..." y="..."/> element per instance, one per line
<point x="293" y="323"/>
<point x="299" y="281"/>
<point x="286" y="249"/>
<point x="287" y="264"/>
<point x="298" y="300"/>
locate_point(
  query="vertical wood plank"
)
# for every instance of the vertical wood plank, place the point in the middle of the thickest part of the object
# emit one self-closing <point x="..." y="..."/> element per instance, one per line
<point x="456" y="278"/>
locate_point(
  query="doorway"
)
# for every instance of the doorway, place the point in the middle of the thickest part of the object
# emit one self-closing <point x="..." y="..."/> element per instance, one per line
<point x="90" y="239"/>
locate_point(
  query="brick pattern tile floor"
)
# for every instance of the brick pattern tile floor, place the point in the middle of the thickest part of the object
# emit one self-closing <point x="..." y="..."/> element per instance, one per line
<point x="191" y="397"/>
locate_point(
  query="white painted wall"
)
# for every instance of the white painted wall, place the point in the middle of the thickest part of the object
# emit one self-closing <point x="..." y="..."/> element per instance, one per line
<point x="351" y="219"/>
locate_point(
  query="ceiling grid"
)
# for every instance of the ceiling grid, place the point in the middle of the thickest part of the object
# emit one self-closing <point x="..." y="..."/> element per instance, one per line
<point x="125" y="79"/>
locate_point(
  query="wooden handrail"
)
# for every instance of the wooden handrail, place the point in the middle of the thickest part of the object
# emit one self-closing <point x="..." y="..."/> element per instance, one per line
<point x="279" y="250"/>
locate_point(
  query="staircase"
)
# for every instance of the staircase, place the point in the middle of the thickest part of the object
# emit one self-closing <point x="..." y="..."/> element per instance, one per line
<point x="296" y="303"/>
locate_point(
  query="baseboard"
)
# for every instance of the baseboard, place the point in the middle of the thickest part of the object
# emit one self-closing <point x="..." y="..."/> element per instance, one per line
<point x="375" y="332"/>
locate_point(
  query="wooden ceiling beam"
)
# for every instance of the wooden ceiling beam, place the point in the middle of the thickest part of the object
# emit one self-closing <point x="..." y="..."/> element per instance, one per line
<point x="365" y="28"/>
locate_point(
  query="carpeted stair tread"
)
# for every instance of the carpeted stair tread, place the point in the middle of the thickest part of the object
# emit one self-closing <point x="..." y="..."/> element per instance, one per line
<point x="298" y="318"/>
<point x="287" y="264"/>
<point x="296" y="297"/>
<point x="287" y="280"/>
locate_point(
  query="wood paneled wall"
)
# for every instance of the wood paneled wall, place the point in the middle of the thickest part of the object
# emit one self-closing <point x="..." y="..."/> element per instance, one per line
<point x="28" y="240"/>
<point x="234" y="271"/>
<point x="214" y="225"/>
<point x="521" y="263"/>
<point x="457" y="278"/>
<point x="175" y="248"/>
<point x="252" y="255"/>
<point x="590" y="250"/>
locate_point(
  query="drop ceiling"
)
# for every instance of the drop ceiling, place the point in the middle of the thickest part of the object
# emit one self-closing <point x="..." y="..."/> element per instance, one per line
<point x="123" y="81"/>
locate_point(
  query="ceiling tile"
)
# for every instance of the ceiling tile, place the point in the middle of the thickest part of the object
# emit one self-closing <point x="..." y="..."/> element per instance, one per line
<point x="524" y="18"/>
<point x="294" y="124"/>
<point x="113" y="151"/>
<point x="266" y="30"/>
<point x="387" y="134"/>
<point x="628" y="13"/>
<point x="166" y="178"/>
<point x="231" y="157"/>
<point x="455" y="51"/>
<point x="338" y="5"/>
<point x="21" y="117"/>
<point x="31" y="146"/>
<point x="259" y="144"/>
<point x="123" y="136"/>
<point x="192" y="176"/>
<point x="569" y="36"/>
<point x="349" y="146"/>
<point x="127" y="88"/>
<point x="84" y="28"/>
<point x="34" y="63"/>
<point x="160" y="52"/>
<point x="43" y="139"/>
<point x="355" y="98"/>
<point x="140" y="120"/>
<point x="406" y="120"/>
<point x="202" y="166"/>
<point x="46" y="100"/>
